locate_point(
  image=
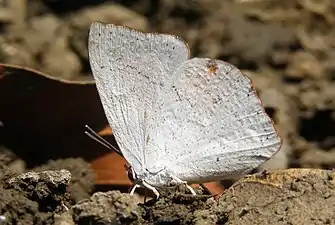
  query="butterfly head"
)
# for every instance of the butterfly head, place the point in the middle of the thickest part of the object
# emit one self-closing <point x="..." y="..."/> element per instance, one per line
<point x="131" y="173"/>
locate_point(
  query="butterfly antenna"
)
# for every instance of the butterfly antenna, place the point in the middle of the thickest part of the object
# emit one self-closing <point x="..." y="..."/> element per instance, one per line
<point x="95" y="136"/>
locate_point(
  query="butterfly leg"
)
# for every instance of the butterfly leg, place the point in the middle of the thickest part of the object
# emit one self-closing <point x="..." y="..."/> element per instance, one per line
<point x="134" y="188"/>
<point x="184" y="182"/>
<point x="153" y="189"/>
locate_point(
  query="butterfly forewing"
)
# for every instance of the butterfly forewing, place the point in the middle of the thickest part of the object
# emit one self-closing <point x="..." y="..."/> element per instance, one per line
<point x="130" y="69"/>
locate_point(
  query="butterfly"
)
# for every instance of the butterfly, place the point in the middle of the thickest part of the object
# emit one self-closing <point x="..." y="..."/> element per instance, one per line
<point x="176" y="119"/>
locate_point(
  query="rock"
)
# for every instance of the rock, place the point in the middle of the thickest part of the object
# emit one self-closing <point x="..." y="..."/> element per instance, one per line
<point x="17" y="209"/>
<point x="82" y="176"/>
<point x="63" y="219"/>
<point x="304" y="65"/>
<point x="48" y="188"/>
<point x="294" y="196"/>
<point x="107" y="208"/>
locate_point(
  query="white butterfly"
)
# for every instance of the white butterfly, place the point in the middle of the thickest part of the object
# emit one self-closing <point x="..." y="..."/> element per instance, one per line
<point x="177" y="119"/>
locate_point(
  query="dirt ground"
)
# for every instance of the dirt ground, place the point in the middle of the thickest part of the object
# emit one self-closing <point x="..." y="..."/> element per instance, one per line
<point x="285" y="46"/>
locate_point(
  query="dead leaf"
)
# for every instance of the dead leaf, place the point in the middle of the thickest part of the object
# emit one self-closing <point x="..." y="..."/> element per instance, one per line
<point x="44" y="118"/>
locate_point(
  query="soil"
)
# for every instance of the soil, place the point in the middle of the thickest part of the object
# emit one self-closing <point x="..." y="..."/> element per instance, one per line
<point x="285" y="46"/>
<point x="295" y="196"/>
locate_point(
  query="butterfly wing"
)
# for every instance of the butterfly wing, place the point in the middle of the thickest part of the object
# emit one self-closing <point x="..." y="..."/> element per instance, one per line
<point x="130" y="68"/>
<point x="211" y="124"/>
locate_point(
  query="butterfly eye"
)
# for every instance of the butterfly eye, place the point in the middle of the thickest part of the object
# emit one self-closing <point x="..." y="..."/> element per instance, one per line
<point x="130" y="173"/>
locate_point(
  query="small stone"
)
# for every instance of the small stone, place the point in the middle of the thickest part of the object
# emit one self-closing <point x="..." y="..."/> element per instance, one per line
<point x="111" y="207"/>
<point x="304" y="65"/>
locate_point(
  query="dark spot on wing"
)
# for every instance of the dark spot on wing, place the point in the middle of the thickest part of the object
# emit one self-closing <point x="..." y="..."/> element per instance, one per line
<point x="216" y="100"/>
<point x="148" y="139"/>
<point x="251" y="91"/>
<point x="175" y="89"/>
<point x="212" y="67"/>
